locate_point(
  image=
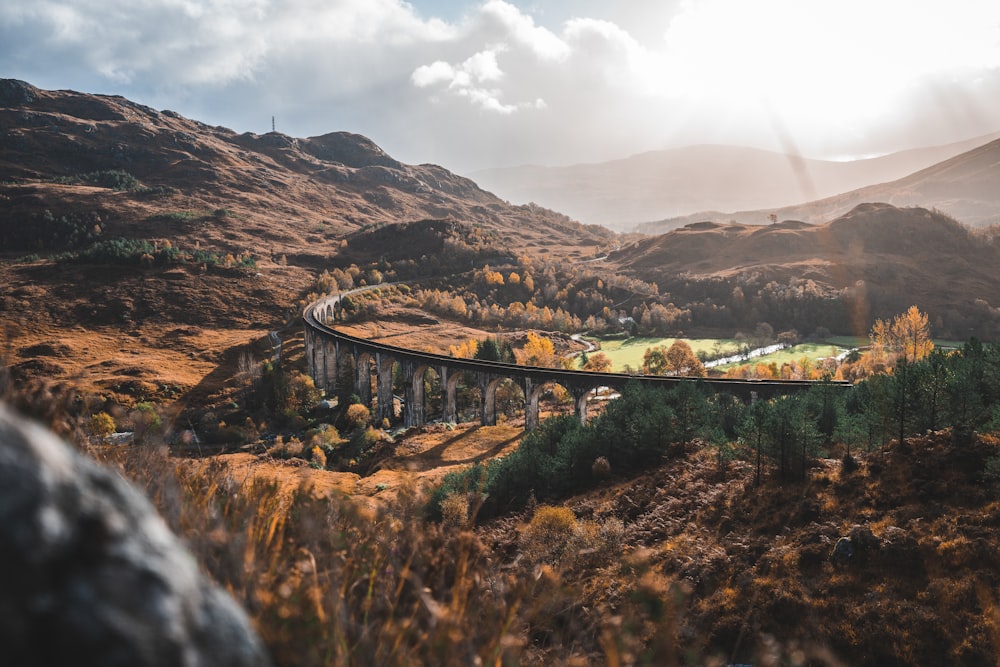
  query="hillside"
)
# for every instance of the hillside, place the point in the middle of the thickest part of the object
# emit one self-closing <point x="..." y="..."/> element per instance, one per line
<point x="749" y="572"/>
<point x="678" y="182"/>
<point x="964" y="187"/>
<point x="223" y="235"/>
<point x="872" y="261"/>
<point x="280" y="194"/>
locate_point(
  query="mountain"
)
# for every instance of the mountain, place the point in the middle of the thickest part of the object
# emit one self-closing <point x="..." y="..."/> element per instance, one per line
<point x="290" y="196"/>
<point x="142" y="252"/>
<point x="677" y="182"/>
<point x="873" y="261"/>
<point x="965" y="187"/>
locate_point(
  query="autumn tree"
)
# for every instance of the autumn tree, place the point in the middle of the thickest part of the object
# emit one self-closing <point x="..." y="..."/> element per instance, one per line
<point x="912" y="334"/>
<point x="907" y="336"/>
<point x="491" y="277"/>
<point x="678" y="359"/>
<point x="537" y="351"/>
<point x="681" y="360"/>
<point x="598" y="363"/>
<point x="465" y="350"/>
<point x="654" y="361"/>
<point x="357" y="415"/>
<point x="102" y="425"/>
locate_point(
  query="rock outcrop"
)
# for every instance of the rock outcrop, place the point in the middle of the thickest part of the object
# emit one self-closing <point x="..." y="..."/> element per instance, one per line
<point x="91" y="575"/>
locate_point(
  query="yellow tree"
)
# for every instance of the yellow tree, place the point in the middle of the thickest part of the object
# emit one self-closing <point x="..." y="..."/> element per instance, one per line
<point x="907" y="336"/>
<point x="466" y="350"/>
<point x="912" y="334"/>
<point x="537" y="351"/>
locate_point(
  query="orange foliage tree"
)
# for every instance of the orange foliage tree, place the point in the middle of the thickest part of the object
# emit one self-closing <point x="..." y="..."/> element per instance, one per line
<point x="907" y="337"/>
<point x="537" y="351"/>
<point x="465" y="350"/>
<point x="678" y="359"/>
<point x="681" y="360"/>
<point x="598" y="363"/>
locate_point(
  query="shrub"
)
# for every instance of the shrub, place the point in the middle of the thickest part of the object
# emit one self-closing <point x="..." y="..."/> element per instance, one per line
<point x="146" y="421"/>
<point x="114" y="179"/>
<point x="594" y="542"/>
<point x="470" y="481"/>
<point x="455" y="510"/>
<point x="326" y="437"/>
<point x="601" y="468"/>
<point x="286" y="450"/>
<point x="102" y="424"/>
<point x="362" y="440"/>
<point x="357" y="415"/>
<point x="278" y="449"/>
<point x="174" y="216"/>
<point x="548" y="536"/>
<point x="318" y="458"/>
<point x="301" y="393"/>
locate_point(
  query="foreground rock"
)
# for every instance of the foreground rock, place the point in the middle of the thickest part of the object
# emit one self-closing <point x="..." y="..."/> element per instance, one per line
<point x="90" y="574"/>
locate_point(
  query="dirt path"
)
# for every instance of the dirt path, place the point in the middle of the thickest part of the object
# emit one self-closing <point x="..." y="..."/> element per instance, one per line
<point x="421" y="461"/>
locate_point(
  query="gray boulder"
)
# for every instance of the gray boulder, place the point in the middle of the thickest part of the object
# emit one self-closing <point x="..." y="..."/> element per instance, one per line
<point x="91" y="575"/>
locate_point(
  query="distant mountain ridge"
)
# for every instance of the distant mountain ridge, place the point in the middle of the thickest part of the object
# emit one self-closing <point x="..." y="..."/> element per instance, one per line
<point x="966" y="187"/>
<point x="678" y="182"/>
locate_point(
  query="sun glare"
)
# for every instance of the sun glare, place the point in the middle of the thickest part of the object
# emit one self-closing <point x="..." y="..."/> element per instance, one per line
<point x="818" y="64"/>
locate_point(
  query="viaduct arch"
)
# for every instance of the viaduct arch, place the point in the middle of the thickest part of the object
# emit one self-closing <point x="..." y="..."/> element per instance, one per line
<point x="326" y="349"/>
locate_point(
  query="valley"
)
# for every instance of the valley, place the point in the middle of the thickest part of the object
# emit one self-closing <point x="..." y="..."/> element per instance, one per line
<point x="155" y="273"/>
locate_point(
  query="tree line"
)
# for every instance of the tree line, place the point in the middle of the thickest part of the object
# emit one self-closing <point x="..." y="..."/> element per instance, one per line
<point x="957" y="390"/>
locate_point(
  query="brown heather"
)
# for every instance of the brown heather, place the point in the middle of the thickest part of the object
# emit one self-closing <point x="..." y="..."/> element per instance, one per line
<point x="329" y="582"/>
<point x="676" y="565"/>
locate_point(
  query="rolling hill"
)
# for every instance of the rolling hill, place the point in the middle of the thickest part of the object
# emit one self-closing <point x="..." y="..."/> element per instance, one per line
<point x="873" y="261"/>
<point x="964" y="186"/>
<point x="678" y="182"/>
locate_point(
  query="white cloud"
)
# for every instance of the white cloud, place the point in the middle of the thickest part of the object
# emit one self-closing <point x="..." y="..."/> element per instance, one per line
<point x="466" y="79"/>
<point x="437" y="72"/>
<point x="497" y="86"/>
<point x="519" y="28"/>
<point x="590" y="56"/>
<point x="483" y="66"/>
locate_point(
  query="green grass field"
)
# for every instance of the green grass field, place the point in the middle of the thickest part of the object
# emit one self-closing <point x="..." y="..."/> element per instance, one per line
<point x="809" y="350"/>
<point x="629" y="352"/>
<point x="855" y="341"/>
<point x="847" y="341"/>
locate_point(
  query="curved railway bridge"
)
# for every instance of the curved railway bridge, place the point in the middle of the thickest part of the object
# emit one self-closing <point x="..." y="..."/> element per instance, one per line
<point x="325" y="350"/>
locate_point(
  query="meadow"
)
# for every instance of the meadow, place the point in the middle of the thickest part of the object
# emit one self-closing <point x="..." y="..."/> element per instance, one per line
<point x="811" y="351"/>
<point x="629" y="352"/>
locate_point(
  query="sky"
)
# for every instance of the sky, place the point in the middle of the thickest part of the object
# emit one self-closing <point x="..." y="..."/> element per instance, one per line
<point x="471" y="85"/>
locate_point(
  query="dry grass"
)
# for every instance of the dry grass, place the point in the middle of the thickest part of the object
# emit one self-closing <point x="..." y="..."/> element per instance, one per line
<point x="674" y="566"/>
<point x="329" y="581"/>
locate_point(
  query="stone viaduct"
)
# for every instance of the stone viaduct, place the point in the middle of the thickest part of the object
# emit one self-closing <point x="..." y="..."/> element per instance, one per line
<point x="325" y="350"/>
